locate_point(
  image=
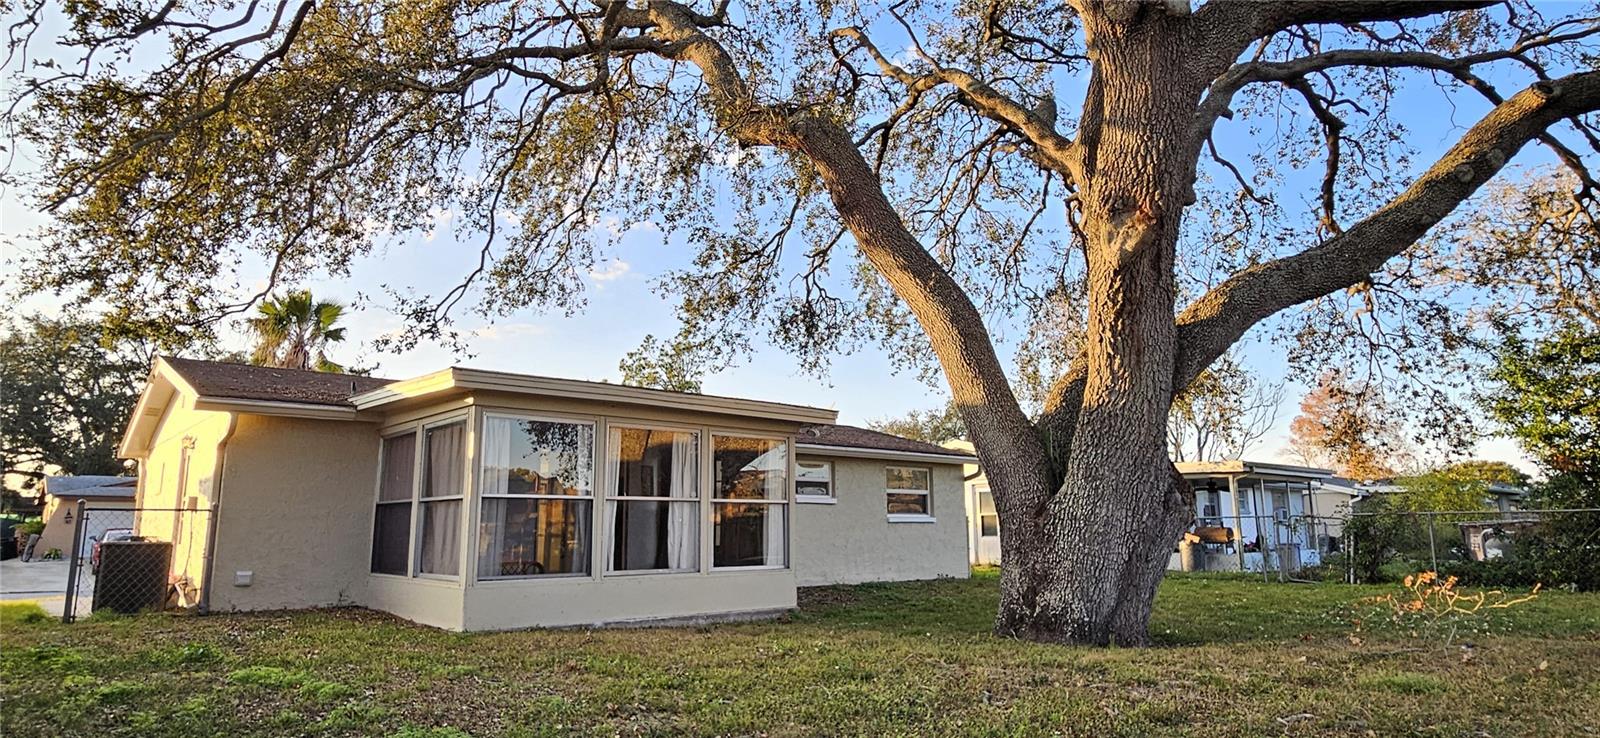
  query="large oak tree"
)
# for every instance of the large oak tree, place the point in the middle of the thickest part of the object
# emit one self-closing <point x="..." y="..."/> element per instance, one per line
<point x="914" y="152"/>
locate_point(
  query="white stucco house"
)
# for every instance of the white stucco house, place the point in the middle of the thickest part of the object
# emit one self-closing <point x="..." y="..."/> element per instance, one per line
<point x="1249" y="515"/>
<point x="480" y="500"/>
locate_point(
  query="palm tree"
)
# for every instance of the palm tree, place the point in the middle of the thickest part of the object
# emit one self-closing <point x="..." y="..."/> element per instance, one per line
<point x="294" y="331"/>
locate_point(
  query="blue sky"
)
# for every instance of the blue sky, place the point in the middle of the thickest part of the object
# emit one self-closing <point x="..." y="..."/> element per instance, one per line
<point x="622" y="308"/>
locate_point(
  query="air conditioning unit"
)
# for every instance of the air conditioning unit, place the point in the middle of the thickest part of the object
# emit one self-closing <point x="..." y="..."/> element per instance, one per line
<point x="1281" y="515"/>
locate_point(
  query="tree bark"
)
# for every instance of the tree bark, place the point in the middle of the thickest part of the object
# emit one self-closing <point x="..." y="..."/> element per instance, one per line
<point x="1109" y="529"/>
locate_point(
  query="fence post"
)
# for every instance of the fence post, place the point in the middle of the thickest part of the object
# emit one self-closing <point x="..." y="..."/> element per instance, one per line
<point x="1348" y="532"/>
<point x="1433" y="550"/>
<point x="69" y="606"/>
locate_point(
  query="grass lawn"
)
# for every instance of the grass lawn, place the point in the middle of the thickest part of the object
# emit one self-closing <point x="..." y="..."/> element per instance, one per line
<point x="1239" y="658"/>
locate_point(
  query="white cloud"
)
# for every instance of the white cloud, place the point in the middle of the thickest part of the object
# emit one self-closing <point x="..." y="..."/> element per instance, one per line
<point x="610" y="272"/>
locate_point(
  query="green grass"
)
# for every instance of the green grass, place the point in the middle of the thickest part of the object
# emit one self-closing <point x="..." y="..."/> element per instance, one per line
<point x="1237" y="657"/>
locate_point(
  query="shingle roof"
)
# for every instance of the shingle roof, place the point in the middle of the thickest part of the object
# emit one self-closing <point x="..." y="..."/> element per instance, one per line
<point x="91" y="486"/>
<point x="246" y="382"/>
<point x="849" y="436"/>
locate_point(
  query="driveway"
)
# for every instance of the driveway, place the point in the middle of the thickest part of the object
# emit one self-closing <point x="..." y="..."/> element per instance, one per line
<point x="44" y="582"/>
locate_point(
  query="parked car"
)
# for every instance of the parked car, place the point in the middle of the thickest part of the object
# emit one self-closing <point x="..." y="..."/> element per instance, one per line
<point x="111" y="534"/>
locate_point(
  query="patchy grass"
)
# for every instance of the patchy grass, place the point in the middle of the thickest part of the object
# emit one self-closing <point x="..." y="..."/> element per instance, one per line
<point x="1237" y="658"/>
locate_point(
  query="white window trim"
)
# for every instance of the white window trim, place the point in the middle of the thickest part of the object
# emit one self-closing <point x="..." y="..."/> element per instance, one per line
<point x="593" y="497"/>
<point x="828" y="499"/>
<point x="927" y="517"/>
<point x="709" y="549"/>
<point x="417" y="427"/>
<point x="608" y="537"/>
<point x="378" y="501"/>
<point x="467" y="462"/>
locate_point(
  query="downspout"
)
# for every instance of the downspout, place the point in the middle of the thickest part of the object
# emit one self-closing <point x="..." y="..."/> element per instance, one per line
<point x="214" y="513"/>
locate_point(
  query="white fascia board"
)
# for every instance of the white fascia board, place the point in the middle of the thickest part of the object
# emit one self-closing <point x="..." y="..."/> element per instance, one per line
<point x="281" y="409"/>
<point x="478" y="379"/>
<point x="160" y="389"/>
<point x="852" y="452"/>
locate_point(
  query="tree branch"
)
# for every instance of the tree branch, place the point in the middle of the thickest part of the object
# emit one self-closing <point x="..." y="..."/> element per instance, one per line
<point x="1219" y="318"/>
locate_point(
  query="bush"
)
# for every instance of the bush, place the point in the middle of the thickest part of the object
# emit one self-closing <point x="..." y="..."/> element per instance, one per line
<point x="31" y="527"/>
<point x="1563" y="551"/>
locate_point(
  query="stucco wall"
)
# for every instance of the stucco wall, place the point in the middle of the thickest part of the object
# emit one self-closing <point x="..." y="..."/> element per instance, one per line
<point x="180" y="474"/>
<point x="296" y="512"/>
<point x="504" y="605"/>
<point x="852" y="540"/>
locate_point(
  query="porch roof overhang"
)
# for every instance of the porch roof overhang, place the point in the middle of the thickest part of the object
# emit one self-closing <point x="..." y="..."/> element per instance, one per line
<point x="1256" y="469"/>
<point x="459" y="380"/>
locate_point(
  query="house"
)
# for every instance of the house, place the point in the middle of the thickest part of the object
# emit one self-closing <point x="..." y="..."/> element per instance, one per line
<point x="480" y="500"/>
<point x="1503" y="497"/>
<point x="107" y="496"/>
<point x="1249" y="515"/>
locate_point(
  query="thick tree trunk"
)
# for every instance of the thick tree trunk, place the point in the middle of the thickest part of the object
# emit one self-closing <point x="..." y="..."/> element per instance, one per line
<point x="1105" y="536"/>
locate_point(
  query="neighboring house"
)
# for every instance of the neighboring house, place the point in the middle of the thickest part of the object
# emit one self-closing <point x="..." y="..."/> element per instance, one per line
<point x="1248" y="515"/>
<point x="479" y="500"/>
<point x="104" y="494"/>
<point x="1497" y="495"/>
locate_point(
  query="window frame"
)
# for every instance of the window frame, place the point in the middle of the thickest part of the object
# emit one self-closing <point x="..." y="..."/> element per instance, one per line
<point x="415" y="431"/>
<point x="981" y="515"/>
<point x="593" y="498"/>
<point x="608" y="536"/>
<point x="922" y="517"/>
<point x="469" y="459"/>
<point x="790" y="466"/>
<point x="418" y="426"/>
<point x="832" y="498"/>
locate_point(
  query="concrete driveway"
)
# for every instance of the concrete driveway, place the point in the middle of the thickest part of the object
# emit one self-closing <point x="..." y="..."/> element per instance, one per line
<point x="44" y="582"/>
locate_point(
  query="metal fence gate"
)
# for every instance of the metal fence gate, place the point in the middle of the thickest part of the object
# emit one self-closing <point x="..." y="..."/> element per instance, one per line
<point x="132" y="560"/>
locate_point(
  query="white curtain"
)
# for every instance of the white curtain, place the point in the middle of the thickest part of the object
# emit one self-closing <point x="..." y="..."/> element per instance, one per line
<point x="496" y="452"/>
<point x="775" y="477"/>
<point x="441" y="537"/>
<point x="494" y="479"/>
<point x="613" y="482"/>
<point x="446" y="461"/>
<point x="682" y="540"/>
<point x="774" y="544"/>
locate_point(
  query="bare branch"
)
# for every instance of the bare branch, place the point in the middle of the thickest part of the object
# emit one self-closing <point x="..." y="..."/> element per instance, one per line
<point x="1217" y="319"/>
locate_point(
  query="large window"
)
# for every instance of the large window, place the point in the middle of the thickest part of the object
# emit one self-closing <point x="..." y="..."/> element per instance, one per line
<point x="537" y="482"/>
<point x="443" y="481"/>
<point x="391" y="522"/>
<point x="907" y="489"/>
<point x="749" y="496"/>
<point x="653" y="504"/>
<point x="813" y="481"/>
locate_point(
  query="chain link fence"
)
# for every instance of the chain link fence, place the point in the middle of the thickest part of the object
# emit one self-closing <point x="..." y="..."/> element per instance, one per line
<point x="1553" y="547"/>
<point x="135" y="560"/>
<point x="1278" y="546"/>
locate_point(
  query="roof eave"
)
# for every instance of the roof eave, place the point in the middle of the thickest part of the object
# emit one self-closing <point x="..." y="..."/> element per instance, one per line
<point x="162" y="386"/>
<point x="857" y="452"/>
<point x="457" y="378"/>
